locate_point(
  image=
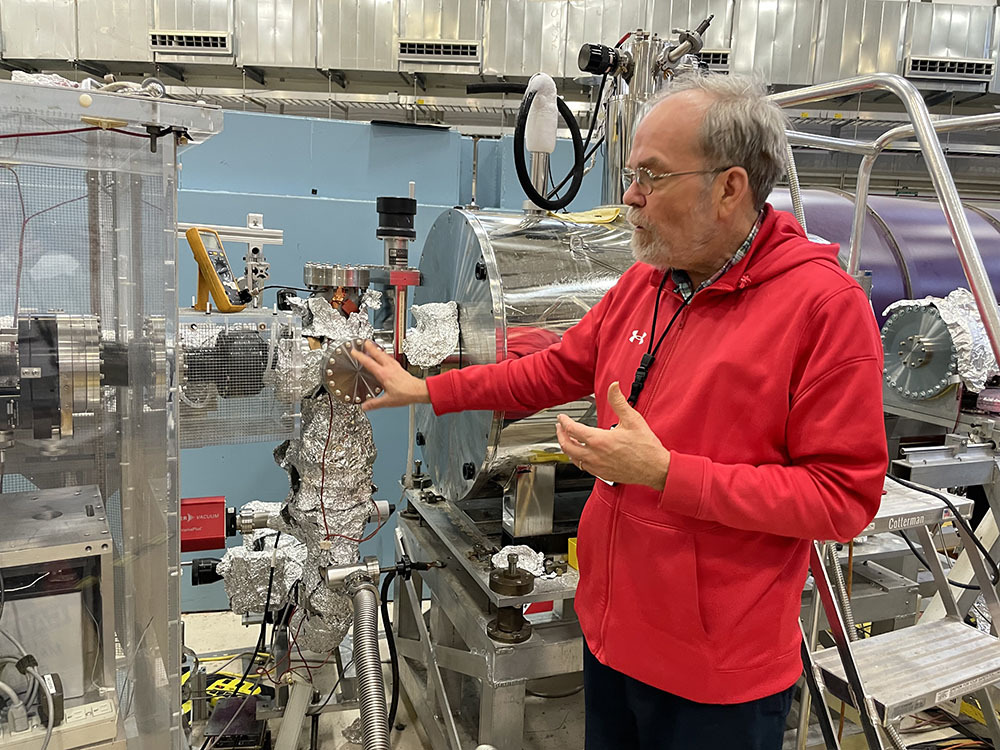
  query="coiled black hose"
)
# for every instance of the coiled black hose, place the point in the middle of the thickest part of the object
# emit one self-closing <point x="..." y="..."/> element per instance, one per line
<point x="520" y="165"/>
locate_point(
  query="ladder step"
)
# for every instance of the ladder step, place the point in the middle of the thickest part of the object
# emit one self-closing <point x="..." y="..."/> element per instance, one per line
<point x="914" y="668"/>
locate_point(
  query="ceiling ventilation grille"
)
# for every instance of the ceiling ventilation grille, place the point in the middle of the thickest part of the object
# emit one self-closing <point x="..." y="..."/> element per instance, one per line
<point x="715" y="59"/>
<point x="190" y="42"/>
<point x="451" y="53"/>
<point x="944" y="67"/>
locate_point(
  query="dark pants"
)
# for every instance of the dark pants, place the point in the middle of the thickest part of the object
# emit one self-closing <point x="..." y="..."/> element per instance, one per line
<point x="625" y="714"/>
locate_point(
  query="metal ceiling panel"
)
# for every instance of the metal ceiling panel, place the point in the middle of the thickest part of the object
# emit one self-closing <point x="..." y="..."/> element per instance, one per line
<point x="114" y="30"/>
<point x="776" y="40"/>
<point x="860" y="36"/>
<point x="524" y="37"/>
<point x="280" y="33"/>
<point x="356" y="35"/>
<point x="39" y="29"/>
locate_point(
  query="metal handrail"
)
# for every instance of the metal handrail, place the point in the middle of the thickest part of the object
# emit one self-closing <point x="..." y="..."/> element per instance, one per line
<point x="944" y="186"/>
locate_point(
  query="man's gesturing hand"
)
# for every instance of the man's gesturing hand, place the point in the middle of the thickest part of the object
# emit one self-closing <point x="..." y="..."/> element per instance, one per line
<point x="629" y="454"/>
<point x="399" y="387"/>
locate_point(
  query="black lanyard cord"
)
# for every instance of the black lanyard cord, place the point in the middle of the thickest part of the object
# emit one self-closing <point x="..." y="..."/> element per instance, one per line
<point x="639" y="382"/>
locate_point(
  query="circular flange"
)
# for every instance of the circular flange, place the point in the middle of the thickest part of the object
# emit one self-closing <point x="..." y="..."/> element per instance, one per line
<point x="920" y="357"/>
<point x="494" y="631"/>
<point x="324" y="276"/>
<point x="344" y="377"/>
<point x="519" y="584"/>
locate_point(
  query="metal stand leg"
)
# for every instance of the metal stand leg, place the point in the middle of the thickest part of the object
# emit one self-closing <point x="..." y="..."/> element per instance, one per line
<point x="815" y="691"/>
<point x="502" y="716"/>
<point x="295" y="714"/>
<point x="866" y="709"/>
<point x="808" y="646"/>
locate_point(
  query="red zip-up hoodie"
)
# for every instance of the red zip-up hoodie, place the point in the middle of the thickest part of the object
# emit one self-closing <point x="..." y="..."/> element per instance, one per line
<point x="768" y="394"/>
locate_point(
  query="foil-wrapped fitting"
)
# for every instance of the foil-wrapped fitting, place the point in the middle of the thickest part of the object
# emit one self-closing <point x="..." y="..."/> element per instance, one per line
<point x="527" y="559"/>
<point x="371" y="300"/>
<point x="435" y="335"/>
<point x="976" y="363"/>
<point x="246" y="571"/>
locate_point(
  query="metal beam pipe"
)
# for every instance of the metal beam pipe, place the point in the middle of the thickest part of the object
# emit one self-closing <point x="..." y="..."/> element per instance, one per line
<point x="829" y="143"/>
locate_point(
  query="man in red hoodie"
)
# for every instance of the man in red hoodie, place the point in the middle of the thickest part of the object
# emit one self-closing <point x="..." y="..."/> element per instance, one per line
<point x="749" y="422"/>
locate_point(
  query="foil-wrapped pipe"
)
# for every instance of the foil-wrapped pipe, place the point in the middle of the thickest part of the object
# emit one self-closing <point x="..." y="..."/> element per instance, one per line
<point x="368" y="664"/>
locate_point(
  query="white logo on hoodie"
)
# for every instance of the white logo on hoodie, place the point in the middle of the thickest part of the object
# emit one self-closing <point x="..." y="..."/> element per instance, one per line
<point x="635" y="338"/>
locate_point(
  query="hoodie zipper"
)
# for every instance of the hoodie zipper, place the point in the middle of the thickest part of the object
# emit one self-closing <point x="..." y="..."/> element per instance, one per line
<point x="617" y="495"/>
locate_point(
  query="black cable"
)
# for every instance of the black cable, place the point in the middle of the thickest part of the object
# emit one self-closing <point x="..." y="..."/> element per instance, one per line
<point x="959" y="519"/>
<point x="263" y="623"/>
<point x="391" y="643"/>
<point x="923" y="561"/>
<point x="579" y="158"/>
<point x="2" y="600"/>
<point x="521" y="167"/>
<point x="586" y="158"/>
<point x="332" y="690"/>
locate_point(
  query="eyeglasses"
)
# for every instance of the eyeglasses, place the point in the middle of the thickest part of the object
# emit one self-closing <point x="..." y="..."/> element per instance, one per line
<point x="647" y="179"/>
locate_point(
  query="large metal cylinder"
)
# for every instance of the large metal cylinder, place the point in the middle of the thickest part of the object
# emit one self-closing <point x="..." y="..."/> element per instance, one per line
<point x="520" y="282"/>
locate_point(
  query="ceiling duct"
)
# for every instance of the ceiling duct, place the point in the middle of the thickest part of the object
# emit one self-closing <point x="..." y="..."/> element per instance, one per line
<point x="950" y="68"/>
<point x="191" y="42"/>
<point x="436" y="51"/>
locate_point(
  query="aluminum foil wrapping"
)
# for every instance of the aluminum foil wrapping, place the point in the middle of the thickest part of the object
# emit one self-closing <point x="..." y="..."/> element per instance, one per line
<point x="330" y="479"/>
<point x="527" y="559"/>
<point x="976" y="363"/>
<point x="246" y="570"/>
<point x="436" y="334"/>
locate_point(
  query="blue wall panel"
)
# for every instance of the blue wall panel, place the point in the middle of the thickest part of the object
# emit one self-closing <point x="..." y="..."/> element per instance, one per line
<point x="272" y="165"/>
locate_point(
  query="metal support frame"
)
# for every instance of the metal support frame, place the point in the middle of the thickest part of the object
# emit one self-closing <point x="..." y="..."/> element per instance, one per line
<point x="433" y="661"/>
<point x="862" y="701"/>
<point x="944" y="186"/>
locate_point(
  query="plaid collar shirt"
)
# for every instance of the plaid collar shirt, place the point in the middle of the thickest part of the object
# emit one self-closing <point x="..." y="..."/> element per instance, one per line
<point x="683" y="280"/>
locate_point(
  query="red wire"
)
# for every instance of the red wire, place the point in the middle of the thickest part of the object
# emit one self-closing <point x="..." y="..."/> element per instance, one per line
<point x="620" y="41"/>
<point x="72" y="130"/>
<point x="322" y="470"/>
<point x="322" y="485"/>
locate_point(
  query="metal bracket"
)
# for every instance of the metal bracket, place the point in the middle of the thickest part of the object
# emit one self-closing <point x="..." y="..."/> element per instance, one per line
<point x="254" y="74"/>
<point x="95" y="69"/>
<point x="174" y="71"/>
<point x="335" y="76"/>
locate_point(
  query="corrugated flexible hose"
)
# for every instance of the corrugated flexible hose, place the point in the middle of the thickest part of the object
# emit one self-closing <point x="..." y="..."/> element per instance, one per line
<point x="368" y="665"/>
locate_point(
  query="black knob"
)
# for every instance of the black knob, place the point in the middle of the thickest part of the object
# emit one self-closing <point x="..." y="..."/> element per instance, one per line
<point x="395" y="217"/>
<point x="204" y="570"/>
<point x="598" y="59"/>
<point x="469" y="470"/>
<point x="481" y="270"/>
<point x="419" y="438"/>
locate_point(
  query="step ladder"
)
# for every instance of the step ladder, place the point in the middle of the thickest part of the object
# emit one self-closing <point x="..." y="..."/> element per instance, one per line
<point x="891" y="675"/>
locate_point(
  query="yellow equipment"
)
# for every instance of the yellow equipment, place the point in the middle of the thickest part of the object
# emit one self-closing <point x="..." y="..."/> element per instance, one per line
<point x="215" y="275"/>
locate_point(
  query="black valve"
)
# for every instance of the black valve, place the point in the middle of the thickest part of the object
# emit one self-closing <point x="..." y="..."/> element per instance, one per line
<point x="468" y="470"/>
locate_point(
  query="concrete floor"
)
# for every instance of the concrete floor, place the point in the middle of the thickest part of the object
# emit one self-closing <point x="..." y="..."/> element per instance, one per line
<point x="550" y="723"/>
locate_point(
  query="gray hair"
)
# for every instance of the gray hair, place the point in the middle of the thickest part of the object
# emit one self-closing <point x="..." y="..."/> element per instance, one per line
<point x="742" y="127"/>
